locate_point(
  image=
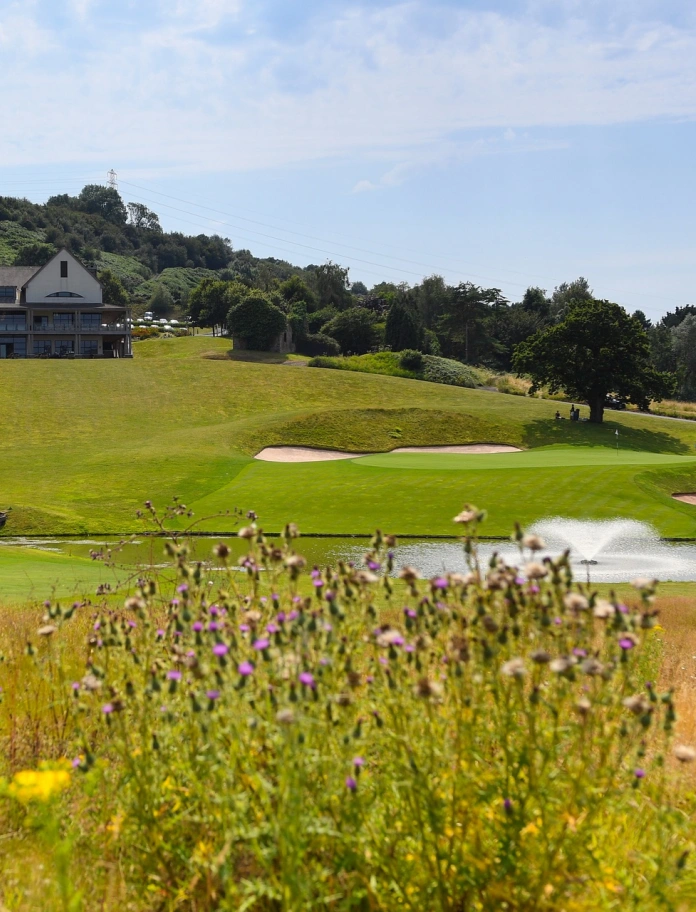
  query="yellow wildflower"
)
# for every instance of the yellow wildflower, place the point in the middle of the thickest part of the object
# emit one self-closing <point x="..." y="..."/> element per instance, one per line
<point x="39" y="785"/>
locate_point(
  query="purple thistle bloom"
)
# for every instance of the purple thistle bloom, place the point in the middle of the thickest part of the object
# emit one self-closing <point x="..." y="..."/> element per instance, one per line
<point x="213" y="626"/>
<point x="383" y="660"/>
<point x="244" y="628"/>
<point x="307" y="679"/>
<point x="261" y="644"/>
<point x="557" y="622"/>
<point x="182" y="588"/>
<point x="358" y="761"/>
<point x="374" y="565"/>
<point x="296" y="599"/>
<point x="75" y="685"/>
<point x="328" y="627"/>
<point x="507" y="804"/>
<point x="280" y="617"/>
<point x="410" y="613"/>
<point x="397" y="641"/>
<point x="160" y="633"/>
<point x="580" y="652"/>
<point x="351" y="784"/>
<point x="263" y="599"/>
<point x="97" y="625"/>
<point x="440" y="582"/>
<point x="534" y="590"/>
<point x="220" y="649"/>
<point x="245" y="669"/>
<point x="190" y="653"/>
<point x="76" y="763"/>
<point x="212" y="694"/>
<point x="323" y="661"/>
<point x="293" y="614"/>
<point x="622" y="608"/>
<point x="107" y="708"/>
<point x="197" y="626"/>
<point x="329" y="595"/>
<point x="315" y="573"/>
<point x="174" y="675"/>
<point x="639" y="773"/>
<point x="132" y="624"/>
<point x="214" y="610"/>
<point x="625" y="643"/>
<point x="272" y="628"/>
<point x="177" y="633"/>
<point x="174" y="603"/>
<point x="409" y="647"/>
<point x="520" y="580"/>
<point x="318" y="583"/>
<point x="370" y="679"/>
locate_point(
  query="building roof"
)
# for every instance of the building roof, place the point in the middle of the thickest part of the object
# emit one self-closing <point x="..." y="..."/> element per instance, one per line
<point x="17" y="275"/>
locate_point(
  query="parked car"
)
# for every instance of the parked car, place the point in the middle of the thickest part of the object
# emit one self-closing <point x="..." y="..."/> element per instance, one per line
<point x="613" y="402"/>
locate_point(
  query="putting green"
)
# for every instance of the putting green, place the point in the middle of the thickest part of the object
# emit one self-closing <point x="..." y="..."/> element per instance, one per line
<point x="540" y="458"/>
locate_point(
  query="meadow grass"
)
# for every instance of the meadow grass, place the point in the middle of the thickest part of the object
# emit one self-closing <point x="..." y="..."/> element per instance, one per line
<point x="286" y="740"/>
<point x="85" y="443"/>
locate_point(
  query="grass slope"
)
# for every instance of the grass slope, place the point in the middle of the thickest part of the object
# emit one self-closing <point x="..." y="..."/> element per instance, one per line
<point x="83" y="444"/>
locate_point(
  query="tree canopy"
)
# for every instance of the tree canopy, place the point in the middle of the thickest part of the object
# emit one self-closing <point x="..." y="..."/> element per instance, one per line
<point x="597" y="349"/>
<point x="113" y="291"/>
<point x="256" y="320"/>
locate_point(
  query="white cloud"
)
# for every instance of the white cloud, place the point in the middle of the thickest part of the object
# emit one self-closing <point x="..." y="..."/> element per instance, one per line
<point x="373" y="83"/>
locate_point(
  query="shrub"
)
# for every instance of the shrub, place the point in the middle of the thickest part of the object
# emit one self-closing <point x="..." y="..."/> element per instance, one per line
<point x="318" y="344"/>
<point x="257" y="321"/>
<point x="411" y="360"/>
<point x="444" y="370"/>
<point x="477" y="741"/>
<point x="353" y="330"/>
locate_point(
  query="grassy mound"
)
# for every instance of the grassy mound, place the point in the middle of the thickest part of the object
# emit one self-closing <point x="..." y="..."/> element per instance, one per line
<point x="434" y="369"/>
<point x="85" y="443"/>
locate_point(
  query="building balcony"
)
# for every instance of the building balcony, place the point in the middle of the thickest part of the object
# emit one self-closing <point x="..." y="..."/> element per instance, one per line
<point x="78" y="327"/>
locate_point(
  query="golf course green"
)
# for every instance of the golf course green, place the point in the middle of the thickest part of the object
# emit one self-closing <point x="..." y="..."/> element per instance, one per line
<point x="85" y="443"/>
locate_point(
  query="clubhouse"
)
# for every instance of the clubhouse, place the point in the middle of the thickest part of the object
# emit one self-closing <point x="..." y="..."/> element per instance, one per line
<point x="57" y="311"/>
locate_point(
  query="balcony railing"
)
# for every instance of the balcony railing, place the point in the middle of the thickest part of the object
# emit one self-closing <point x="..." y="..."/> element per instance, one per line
<point x="78" y="326"/>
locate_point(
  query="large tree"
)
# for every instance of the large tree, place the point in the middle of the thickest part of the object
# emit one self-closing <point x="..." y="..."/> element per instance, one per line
<point x="403" y="329"/>
<point x="256" y="320"/>
<point x="596" y="350"/>
<point x="113" y="291"/>
<point x="354" y="330"/>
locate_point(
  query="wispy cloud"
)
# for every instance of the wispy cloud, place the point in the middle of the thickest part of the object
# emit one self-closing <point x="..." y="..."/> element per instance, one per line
<point x="206" y="87"/>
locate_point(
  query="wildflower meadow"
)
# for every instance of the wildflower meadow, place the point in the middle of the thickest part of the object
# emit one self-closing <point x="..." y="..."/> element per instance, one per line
<point x="265" y="735"/>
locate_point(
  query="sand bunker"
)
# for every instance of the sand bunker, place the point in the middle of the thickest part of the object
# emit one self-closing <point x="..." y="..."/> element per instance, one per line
<point x="310" y="454"/>
<point x="686" y="498"/>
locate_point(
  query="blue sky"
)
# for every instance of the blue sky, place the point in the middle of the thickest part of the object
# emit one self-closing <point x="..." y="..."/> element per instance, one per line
<point x="510" y="143"/>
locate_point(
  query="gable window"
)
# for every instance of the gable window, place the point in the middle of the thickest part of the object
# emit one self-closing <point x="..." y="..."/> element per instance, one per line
<point x="63" y="269"/>
<point x="63" y="294"/>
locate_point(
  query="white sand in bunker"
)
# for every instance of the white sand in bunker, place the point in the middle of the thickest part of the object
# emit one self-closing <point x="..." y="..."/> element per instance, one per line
<point x="310" y="454"/>
<point x="686" y="498"/>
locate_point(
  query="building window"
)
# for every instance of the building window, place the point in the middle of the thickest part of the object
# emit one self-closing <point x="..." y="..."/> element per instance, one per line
<point x="13" y="347"/>
<point x="12" y="322"/>
<point x="63" y="269"/>
<point x="42" y="348"/>
<point x="63" y="294"/>
<point x="91" y="321"/>
<point x="8" y="293"/>
<point x="64" y="346"/>
<point x="63" y="321"/>
<point x="89" y="347"/>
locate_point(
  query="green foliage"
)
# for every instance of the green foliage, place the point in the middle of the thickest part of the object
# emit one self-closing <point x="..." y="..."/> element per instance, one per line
<point x="468" y="742"/>
<point x="104" y="201"/>
<point x="297" y="319"/>
<point x="161" y="303"/>
<point x="403" y="328"/>
<point x="295" y="291"/>
<point x="596" y="350"/>
<point x="411" y="360"/>
<point x="431" y="344"/>
<point x="256" y="321"/>
<point x="453" y="373"/>
<point x="113" y="291"/>
<point x="318" y="344"/>
<point x="319" y="318"/>
<point x="353" y="330"/>
<point x="331" y="282"/>
<point x="34" y="255"/>
<point x="139" y="216"/>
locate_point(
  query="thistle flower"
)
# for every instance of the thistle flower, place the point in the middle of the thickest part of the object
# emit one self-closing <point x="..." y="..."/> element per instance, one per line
<point x="467" y="515"/>
<point x="639" y="773"/>
<point x="261" y="644"/>
<point x="591" y="666"/>
<point x="221" y="551"/>
<point x="389" y="637"/>
<point x="358" y="762"/>
<point x="583" y="706"/>
<point x="535" y="571"/>
<point x="91" y="683"/>
<point x="514" y="668"/>
<point x="562" y="665"/>
<point x="533" y="542"/>
<point x="246" y="532"/>
<point x="46" y="630"/>
<point x="627" y="642"/>
<point x="429" y="690"/>
<point x="174" y="675"/>
<point x="245" y="669"/>
<point x="684" y="753"/>
<point x="604" y="610"/>
<point x="637" y="704"/>
<point x="540" y="656"/>
<point x="573" y="601"/>
<point x="351" y="784"/>
<point x="408" y="574"/>
<point x="642" y="582"/>
<point x="197" y="626"/>
<point x="220" y="649"/>
<point x="212" y="695"/>
<point x="307" y="680"/>
<point x="439" y="582"/>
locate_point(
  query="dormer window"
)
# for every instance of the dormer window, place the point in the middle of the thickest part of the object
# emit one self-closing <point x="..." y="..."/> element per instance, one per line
<point x="64" y="294"/>
<point x="63" y="269"/>
<point x="8" y="293"/>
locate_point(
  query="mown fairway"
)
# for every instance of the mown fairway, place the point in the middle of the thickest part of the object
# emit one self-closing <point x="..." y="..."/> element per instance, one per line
<point x="84" y="443"/>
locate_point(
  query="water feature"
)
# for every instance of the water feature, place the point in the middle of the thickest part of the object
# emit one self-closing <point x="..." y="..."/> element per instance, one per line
<point x="608" y="551"/>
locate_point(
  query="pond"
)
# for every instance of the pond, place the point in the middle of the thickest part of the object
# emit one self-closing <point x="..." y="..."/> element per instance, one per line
<point x="601" y="551"/>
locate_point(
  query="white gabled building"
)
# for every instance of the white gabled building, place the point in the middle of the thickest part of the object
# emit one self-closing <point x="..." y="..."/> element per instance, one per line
<point x="57" y="310"/>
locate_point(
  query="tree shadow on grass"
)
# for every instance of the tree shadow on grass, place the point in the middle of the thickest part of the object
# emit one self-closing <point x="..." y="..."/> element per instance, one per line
<point x="547" y="432"/>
